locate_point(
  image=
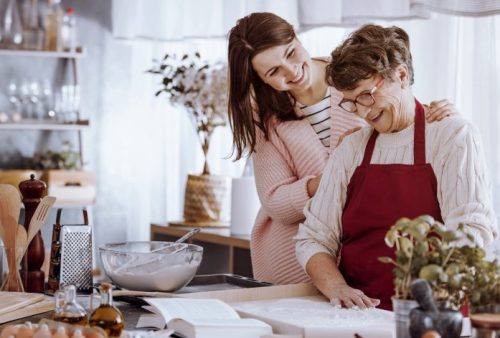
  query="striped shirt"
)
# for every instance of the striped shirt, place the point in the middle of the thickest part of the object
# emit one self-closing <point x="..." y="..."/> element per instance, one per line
<point x="318" y="115"/>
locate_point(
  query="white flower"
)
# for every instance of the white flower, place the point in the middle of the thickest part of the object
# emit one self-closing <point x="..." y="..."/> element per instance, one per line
<point x="199" y="86"/>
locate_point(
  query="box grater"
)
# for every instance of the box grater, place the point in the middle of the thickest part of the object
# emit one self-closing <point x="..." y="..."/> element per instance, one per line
<point x="71" y="255"/>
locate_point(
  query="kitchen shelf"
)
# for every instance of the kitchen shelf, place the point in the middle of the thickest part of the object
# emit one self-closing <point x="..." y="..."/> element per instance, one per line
<point x="79" y="53"/>
<point x="42" y="125"/>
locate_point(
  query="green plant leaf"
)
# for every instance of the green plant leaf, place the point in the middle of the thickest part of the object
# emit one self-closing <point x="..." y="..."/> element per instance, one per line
<point x="426" y="219"/>
<point x="406" y="245"/>
<point x="452" y="269"/>
<point x="430" y="272"/>
<point x="443" y="277"/>
<point x="455" y="281"/>
<point x="449" y="236"/>
<point x="390" y="238"/>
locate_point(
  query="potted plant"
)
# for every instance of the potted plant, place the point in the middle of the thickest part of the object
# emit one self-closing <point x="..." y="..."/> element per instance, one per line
<point x="425" y="249"/>
<point x="482" y="287"/>
<point x="201" y="88"/>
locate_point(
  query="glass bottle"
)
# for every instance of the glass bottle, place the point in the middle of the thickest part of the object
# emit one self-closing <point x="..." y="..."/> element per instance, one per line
<point x="53" y="22"/>
<point x="33" y="32"/>
<point x="12" y="27"/>
<point x="68" y="30"/>
<point x="67" y="309"/>
<point x="107" y="316"/>
<point x="67" y="97"/>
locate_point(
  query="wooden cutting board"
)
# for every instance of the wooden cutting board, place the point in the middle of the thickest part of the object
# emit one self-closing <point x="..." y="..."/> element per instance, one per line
<point x="15" y="305"/>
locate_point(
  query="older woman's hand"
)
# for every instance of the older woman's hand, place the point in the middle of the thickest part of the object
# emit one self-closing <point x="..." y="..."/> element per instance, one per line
<point x="438" y="110"/>
<point x="344" y="295"/>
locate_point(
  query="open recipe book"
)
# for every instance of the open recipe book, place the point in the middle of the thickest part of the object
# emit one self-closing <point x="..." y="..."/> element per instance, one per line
<point x="200" y="318"/>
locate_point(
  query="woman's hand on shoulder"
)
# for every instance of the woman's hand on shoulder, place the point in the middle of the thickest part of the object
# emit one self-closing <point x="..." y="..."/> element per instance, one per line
<point x="347" y="133"/>
<point x="438" y="110"/>
<point x="342" y="295"/>
<point x="312" y="185"/>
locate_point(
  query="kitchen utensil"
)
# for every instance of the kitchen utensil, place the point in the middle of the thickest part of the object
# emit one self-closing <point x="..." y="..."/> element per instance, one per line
<point x="21" y="243"/>
<point x="9" y="225"/>
<point x="180" y="240"/>
<point x="11" y="199"/>
<point x="12" y="301"/>
<point x="71" y="255"/>
<point x="166" y="270"/>
<point x="42" y="306"/>
<point x="40" y="216"/>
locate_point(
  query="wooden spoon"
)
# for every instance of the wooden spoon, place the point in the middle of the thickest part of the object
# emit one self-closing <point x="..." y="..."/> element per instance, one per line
<point x="9" y="225"/>
<point x="21" y="243"/>
<point x="11" y="199"/>
<point x="40" y="216"/>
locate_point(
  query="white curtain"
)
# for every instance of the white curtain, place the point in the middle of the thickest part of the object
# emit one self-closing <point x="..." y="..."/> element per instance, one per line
<point x="179" y="19"/>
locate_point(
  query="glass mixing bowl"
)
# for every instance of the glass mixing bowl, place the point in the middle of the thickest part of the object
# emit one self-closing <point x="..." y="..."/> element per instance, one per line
<point x="151" y="266"/>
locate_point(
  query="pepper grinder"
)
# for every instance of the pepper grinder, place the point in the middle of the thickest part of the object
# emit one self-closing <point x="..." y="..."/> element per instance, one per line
<point x="31" y="273"/>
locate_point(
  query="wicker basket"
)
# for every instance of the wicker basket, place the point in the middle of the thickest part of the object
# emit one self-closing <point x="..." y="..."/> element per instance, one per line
<point x="207" y="200"/>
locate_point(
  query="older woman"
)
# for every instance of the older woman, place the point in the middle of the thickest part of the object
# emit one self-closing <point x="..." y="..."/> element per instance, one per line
<point x="399" y="166"/>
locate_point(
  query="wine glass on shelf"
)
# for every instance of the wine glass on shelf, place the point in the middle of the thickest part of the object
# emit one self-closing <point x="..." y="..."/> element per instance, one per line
<point x="34" y="97"/>
<point x="14" y="100"/>
<point x="47" y="99"/>
<point x="24" y="97"/>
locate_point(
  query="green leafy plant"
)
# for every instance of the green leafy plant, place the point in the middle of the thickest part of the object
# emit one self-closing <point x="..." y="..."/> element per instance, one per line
<point x="65" y="159"/>
<point x="425" y="249"/>
<point x="200" y="87"/>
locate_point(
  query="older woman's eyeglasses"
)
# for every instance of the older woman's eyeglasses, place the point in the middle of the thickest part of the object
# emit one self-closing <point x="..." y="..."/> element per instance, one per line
<point x="365" y="99"/>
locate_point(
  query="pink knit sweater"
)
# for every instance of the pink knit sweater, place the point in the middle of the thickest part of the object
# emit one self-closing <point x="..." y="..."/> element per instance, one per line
<point x="283" y="166"/>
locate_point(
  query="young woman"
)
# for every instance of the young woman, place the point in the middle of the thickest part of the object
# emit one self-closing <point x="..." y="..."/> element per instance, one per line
<point x="285" y="115"/>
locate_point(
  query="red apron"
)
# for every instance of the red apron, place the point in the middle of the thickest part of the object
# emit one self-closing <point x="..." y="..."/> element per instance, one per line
<point x="377" y="196"/>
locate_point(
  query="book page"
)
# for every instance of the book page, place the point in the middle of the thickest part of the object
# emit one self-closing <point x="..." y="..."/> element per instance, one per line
<point x="188" y="309"/>
<point x="315" y="317"/>
<point x="216" y="328"/>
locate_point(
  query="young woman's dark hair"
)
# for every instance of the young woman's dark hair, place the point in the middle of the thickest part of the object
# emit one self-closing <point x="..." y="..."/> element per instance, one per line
<point x="252" y="102"/>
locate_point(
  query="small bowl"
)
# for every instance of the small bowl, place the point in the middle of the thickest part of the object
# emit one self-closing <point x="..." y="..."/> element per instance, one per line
<point x="151" y="266"/>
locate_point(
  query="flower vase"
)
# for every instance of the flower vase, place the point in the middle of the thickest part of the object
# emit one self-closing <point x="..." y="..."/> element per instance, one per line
<point x="206" y="200"/>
